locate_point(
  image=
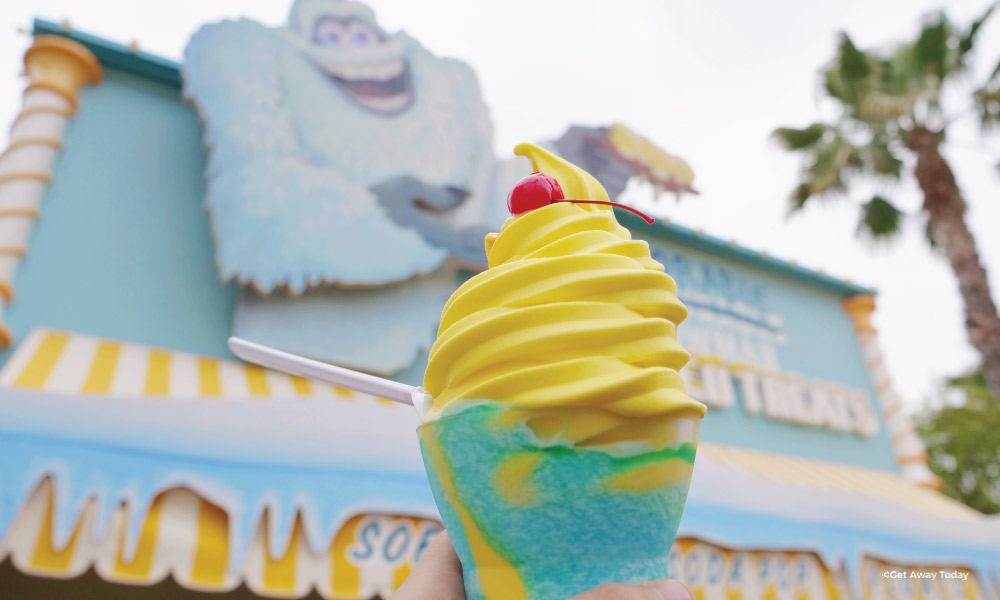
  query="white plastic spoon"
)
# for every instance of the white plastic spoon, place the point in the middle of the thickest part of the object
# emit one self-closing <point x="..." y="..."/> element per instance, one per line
<point x="320" y="371"/>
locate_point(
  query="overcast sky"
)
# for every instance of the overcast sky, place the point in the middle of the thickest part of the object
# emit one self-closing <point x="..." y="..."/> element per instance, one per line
<point x="705" y="80"/>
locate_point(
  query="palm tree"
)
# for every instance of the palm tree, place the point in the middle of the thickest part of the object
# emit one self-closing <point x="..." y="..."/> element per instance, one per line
<point x="890" y="108"/>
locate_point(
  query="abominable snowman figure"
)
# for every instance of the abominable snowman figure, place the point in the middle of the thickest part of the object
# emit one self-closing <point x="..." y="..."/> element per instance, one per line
<point x="343" y="158"/>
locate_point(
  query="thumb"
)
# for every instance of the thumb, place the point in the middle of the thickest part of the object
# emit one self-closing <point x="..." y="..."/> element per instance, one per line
<point x="437" y="576"/>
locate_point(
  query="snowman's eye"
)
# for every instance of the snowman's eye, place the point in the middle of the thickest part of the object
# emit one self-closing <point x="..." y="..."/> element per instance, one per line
<point x="362" y="34"/>
<point x="330" y="32"/>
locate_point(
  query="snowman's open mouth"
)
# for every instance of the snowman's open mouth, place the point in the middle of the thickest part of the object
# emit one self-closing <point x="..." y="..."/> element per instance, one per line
<point x="385" y="89"/>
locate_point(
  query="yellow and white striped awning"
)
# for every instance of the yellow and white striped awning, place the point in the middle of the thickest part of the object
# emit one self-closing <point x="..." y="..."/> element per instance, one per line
<point x="822" y="475"/>
<point x="71" y="363"/>
<point x="186" y="537"/>
<point x="182" y="534"/>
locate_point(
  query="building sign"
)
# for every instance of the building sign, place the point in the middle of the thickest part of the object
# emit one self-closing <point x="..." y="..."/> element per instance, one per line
<point x="373" y="554"/>
<point x="734" y="336"/>
<point x="780" y="396"/>
<point x="718" y="573"/>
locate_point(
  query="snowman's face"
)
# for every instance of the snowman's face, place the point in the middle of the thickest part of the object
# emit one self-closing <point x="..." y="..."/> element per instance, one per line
<point x="369" y="67"/>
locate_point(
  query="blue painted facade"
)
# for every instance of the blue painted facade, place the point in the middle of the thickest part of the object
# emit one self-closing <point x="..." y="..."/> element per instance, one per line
<point x="123" y="250"/>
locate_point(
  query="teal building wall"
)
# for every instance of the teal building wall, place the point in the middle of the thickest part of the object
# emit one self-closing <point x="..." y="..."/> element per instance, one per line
<point x="124" y="250"/>
<point x="123" y="247"/>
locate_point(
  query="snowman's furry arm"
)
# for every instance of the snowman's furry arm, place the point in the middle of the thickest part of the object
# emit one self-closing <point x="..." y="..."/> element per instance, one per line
<point x="232" y="74"/>
<point x="279" y="220"/>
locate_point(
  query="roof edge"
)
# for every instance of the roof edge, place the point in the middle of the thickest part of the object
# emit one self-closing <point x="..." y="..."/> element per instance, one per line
<point x="742" y="255"/>
<point x="117" y="56"/>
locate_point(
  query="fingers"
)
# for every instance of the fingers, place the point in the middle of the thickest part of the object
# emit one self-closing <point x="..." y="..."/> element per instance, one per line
<point x="661" y="589"/>
<point x="671" y="589"/>
<point x="437" y="576"/>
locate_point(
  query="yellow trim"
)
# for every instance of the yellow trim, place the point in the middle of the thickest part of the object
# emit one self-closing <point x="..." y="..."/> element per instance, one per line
<point x="102" y="369"/>
<point x="39" y="175"/>
<point x="301" y="385"/>
<point x="15" y="250"/>
<point x="257" y="380"/>
<point x="37" y="110"/>
<point x="6" y="336"/>
<point x="69" y="48"/>
<point x="57" y="63"/>
<point x="41" y="85"/>
<point x="42" y="363"/>
<point x="158" y="375"/>
<point x="6" y="291"/>
<point x="884" y="387"/>
<point x="860" y="308"/>
<point x="919" y="457"/>
<point x="211" y="556"/>
<point x="208" y="375"/>
<point x="46" y="557"/>
<point x="33" y="141"/>
<point x="15" y="144"/>
<point x="890" y="411"/>
<point x="97" y="364"/>
<point x="876" y="360"/>
<point x="279" y="573"/>
<point x="138" y="568"/>
<point x="936" y="484"/>
<point x="19" y="211"/>
<point x="897" y="437"/>
<point x="403" y="571"/>
<point x="345" y="577"/>
<point x="824" y="475"/>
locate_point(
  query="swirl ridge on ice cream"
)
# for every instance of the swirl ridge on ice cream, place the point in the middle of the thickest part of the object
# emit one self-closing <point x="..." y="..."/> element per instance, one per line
<point x="573" y="323"/>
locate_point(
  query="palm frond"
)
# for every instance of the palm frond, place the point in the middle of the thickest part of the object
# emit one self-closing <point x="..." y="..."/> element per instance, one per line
<point x="800" y="139"/>
<point x="832" y="159"/>
<point x="846" y="77"/>
<point x="968" y="40"/>
<point x="880" y="160"/>
<point x="825" y="173"/>
<point x="880" y="219"/>
<point x="987" y="100"/>
<point x="853" y="63"/>
<point x="878" y="106"/>
<point x="931" y="50"/>
<point x="800" y="195"/>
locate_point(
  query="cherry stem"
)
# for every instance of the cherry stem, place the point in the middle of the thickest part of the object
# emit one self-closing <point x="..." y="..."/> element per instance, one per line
<point x="645" y="217"/>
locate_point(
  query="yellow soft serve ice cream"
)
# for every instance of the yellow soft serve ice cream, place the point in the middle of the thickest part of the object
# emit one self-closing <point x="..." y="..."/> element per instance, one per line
<point x="574" y="324"/>
<point x="561" y="440"/>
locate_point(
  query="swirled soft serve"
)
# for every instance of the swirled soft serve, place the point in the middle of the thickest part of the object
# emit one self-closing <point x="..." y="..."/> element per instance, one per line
<point x="573" y="323"/>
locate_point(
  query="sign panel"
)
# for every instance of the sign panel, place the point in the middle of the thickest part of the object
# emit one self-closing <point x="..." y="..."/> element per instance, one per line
<point x="718" y="573"/>
<point x="776" y="360"/>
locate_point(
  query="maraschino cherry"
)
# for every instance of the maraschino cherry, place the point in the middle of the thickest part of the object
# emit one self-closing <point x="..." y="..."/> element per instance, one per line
<point x="538" y="190"/>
